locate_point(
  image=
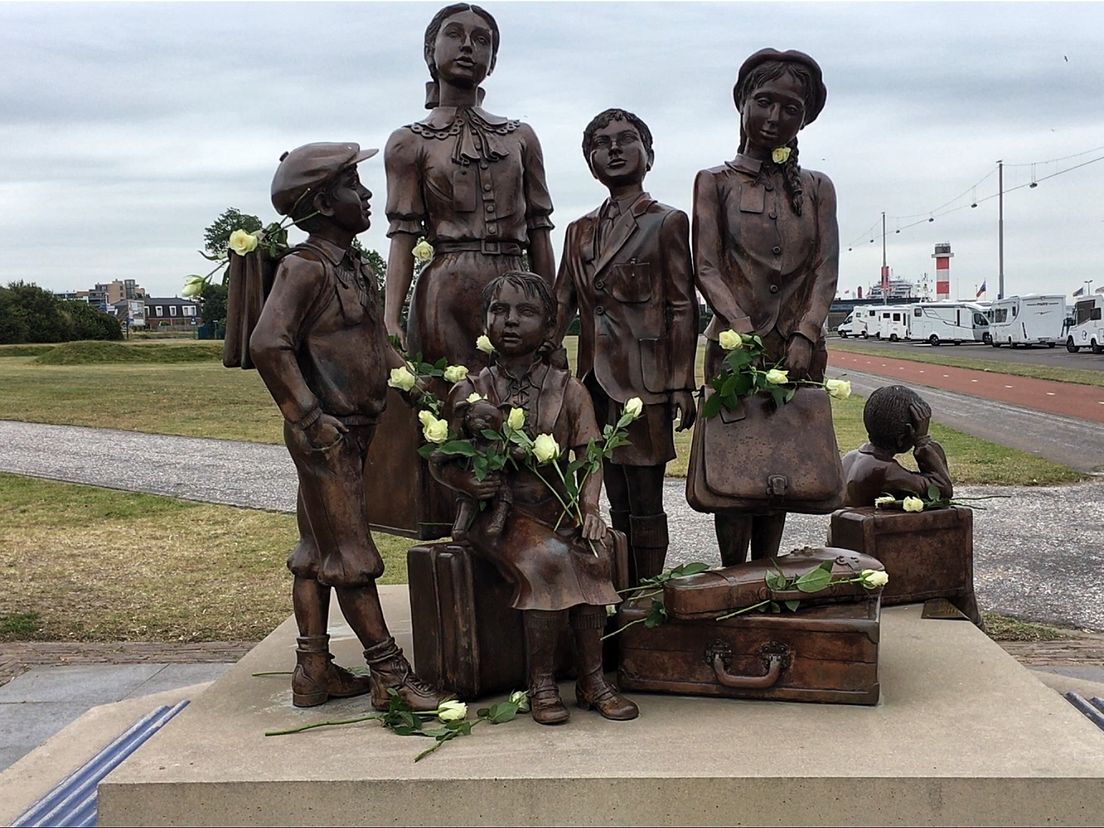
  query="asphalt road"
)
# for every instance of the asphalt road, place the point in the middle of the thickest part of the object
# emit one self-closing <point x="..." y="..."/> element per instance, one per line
<point x="1055" y="357"/>
<point x="1037" y="554"/>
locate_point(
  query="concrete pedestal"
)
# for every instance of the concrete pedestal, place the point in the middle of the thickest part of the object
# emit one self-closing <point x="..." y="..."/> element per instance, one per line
<point x="963" y="735"/>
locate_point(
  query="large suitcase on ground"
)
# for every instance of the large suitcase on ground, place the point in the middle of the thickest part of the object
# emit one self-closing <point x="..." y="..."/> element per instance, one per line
<point x="927" y="554"/>
<point x="820" y="654"/>
<point x="717" y="591"/>
<point x="467" y="637"/>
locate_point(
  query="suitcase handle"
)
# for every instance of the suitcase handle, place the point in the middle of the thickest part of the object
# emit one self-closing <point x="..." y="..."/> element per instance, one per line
<point x="775" y="662"/>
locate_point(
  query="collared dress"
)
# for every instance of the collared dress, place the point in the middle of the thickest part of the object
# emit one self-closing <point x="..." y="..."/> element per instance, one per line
<point x="759" y="260"/>
<point x="551" y="569"/>
<point x="473" y="184"/>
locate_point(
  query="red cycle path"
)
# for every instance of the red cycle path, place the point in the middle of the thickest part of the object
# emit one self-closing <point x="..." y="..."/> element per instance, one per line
<point x="1084" y="402"/>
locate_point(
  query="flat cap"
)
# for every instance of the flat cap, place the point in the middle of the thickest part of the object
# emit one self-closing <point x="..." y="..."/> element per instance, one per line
<point x="309" y="167"/>
<point x="816" y="96"/>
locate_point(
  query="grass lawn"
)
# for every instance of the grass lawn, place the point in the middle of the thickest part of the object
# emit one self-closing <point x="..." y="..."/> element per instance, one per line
<point x="115" y="566"/>
<point x="939" y="356"/>
<point x="202" y="399"/>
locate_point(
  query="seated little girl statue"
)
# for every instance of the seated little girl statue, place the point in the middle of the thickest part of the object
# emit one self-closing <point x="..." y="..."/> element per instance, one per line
<point x="555" y="565"/>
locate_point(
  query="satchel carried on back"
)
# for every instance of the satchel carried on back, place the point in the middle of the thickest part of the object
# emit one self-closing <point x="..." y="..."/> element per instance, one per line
<point x="766" y="457"/>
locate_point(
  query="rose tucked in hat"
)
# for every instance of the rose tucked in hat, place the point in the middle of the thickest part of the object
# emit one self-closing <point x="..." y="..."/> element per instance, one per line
<point x="815" y="96"/>
<point x="309" y="168"/>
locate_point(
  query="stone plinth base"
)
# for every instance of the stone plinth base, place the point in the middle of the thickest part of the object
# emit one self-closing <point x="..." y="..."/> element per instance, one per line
<point x="963" y="735"/>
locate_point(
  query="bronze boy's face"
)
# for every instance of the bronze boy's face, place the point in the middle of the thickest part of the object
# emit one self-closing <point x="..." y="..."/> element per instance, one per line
<point x="463" y="50"/>
<point x="774" y="112"/>
<point x="617" y="154"/>
<point x="515" y="322"/>
<point x="350" y="202"/>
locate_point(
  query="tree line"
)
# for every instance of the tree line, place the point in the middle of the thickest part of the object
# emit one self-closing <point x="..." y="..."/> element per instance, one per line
<point x="29" y="314"/>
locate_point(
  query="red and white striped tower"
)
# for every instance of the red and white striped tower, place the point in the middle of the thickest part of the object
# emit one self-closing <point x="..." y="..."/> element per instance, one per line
<point x="943" y="256"/>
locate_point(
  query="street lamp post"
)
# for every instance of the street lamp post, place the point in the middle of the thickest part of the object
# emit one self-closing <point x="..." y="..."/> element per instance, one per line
<point x="1000" y="230"/>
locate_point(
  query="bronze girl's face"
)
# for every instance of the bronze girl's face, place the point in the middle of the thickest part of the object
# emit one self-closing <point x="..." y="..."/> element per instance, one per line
<point x="774" y="112"/>
<point x="463" y="51"/>
<point x="515" y="322"/>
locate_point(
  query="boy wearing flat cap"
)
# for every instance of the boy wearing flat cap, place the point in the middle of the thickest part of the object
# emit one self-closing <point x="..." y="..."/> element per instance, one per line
<point x="321" y="348"/>
<point x="626" y="268"/>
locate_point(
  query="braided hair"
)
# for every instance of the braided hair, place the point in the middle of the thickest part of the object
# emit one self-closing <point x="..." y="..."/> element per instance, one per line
<point x="767" y="71"/>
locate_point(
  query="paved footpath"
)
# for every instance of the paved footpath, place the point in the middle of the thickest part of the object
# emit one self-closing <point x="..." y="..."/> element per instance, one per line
<point x="1067" y="399"/>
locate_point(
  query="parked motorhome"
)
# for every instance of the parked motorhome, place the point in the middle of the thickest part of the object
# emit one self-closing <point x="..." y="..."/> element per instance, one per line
<point x="861" y="322"/>
<point x="890" y="322"/>
<point x="1085" y="327"/>
<point x="939" y="322"/>
<point x="1031" y="319"/>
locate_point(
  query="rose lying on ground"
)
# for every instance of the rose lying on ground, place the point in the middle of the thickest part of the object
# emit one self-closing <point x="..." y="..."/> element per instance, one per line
<point x="452" y="711"/>
<point x="913" y="504"/>
<point x="242" y="242"/>
<point x="521" y="699"/>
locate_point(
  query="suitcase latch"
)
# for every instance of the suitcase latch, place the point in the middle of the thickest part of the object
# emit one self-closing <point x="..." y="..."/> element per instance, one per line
<point x="777" y="485"/>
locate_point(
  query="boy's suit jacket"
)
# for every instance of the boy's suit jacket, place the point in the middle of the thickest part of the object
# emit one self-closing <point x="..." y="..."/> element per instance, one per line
<point x="634" y="290"/>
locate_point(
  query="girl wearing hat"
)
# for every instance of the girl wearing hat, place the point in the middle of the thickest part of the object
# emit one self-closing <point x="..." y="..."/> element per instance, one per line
<point x="766" y="247"/>
<point x="472" y="183"/>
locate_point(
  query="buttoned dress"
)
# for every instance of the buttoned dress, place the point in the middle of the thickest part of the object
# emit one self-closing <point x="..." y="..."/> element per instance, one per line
<point x="473" y="184"/>
<point x="758" y="262"/>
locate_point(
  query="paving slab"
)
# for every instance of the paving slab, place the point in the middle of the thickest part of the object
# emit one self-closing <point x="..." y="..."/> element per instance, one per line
<point x="37" y="772"/>
<point x="963" y="735"/>
<point x="90" y="684"/>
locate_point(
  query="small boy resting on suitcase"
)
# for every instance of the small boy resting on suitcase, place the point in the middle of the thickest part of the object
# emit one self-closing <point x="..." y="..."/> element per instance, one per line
<point x="896" y="420"/>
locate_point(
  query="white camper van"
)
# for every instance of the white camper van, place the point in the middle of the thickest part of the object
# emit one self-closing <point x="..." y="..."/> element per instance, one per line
<point x="939" y="322"/>
<point x="1031" y="319"/>
<point x="889" y="322"/>
<point x="862" y="322"/>
<point x="1086" y="326"/>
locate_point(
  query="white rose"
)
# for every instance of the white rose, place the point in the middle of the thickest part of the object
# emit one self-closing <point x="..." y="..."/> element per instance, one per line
<point x="634" y="407"/>
<point x="452" y="711"/>
<point x="874" y="578"/>
<point x="242" y="242"/>
<point x="474" y="397"/>
<point x="455" y="373"/>
<point x="838" y="389"/>
<point x="780" y="155"/>
<point x="913" y="504"/>
<point x="516" y="419"/>
<point x="730" y="340"/>
<point x="402" y="379"/>
<point x="423" y="251"/>
<point x="545" y="448"/>
<point x="483" y="343"/>
<point x="776" y="376"/>
<point x="426" y="417"/>
<point x="193" y="286"/>
<point x="521" y="699"/>
<point x="885" y="500"/>
<point x="434" y="431"/>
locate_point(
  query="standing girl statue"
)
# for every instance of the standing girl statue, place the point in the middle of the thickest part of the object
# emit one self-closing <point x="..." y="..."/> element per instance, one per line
<point x="766" y="248"/>
<point x="472" y="184"/>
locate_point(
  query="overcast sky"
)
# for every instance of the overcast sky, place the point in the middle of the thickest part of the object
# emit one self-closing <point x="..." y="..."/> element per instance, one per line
<point x="125" y="128"/>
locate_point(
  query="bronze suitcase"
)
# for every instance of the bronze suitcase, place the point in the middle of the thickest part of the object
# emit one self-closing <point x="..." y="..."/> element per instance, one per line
<point x="738" y="462"/>
<point x="708" y="594"/>
<point x="927" y="554"/>
<point x="467" y="637"/>
<point x="821" y="654"/>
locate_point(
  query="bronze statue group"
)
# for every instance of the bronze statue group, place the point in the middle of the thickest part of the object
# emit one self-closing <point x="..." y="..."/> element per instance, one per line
<point x="762" y="248"/>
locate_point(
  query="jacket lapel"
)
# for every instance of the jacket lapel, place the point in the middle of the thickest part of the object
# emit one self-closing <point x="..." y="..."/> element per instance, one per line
<point x="621" y="232"/>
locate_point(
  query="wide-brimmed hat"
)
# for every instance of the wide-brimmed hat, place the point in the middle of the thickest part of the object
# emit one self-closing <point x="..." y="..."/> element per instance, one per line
<point x="309" y="167"/>
<point x="816" y="95"/>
